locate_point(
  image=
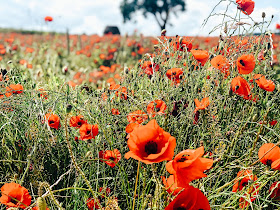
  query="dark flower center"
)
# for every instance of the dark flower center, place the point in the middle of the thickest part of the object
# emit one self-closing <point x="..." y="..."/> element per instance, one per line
<point x="242" y="62"/>
<point x="88" y="132"/>
<point x="151" y="147"/>
<point x="244" y="184"/>
<point x="181" y="208"/>
<point x="269" y="162"/>
<point x="112" y="158"/>
<point x="14" y="201"/>
<point x="51" y="122"/>
<point x="79" y="123"/>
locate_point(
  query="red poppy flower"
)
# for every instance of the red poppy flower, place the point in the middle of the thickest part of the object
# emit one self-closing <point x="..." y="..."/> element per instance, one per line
<point x="150" y="67"/>
<point x="275" y="191"/>
<point x="246" y="6"/>
<point x="184" y="44"/>
<point x="77" y="121"/>
<point x="138" y="116"/>
<point x="88" y="131"/>
<point x="92" y="204"/>
<point x="190" y="199"/>
<point x="189" y="162"/>
<point x="150" y="144"/>
<point x="221" y="63"/>
<point x="269" y="154"/>
<point x="175" y="74"/>
<point x="48" y="19"/>
<point x="130" y="127"/>
<point x="263" y="83"/>
<point x="273" y="122"/>
<point x="240" y="87"/>
<point x="14" y="89"/>
<point x="200" y="55"/>
<point x="115" y="111"/>
<point x="156" y="107"/>
<point x="53" y="120"/>
<point x="201" y="105"/>
<point x="14" y="195"/>
<point x="171" y="185"/>
<point x="277" y="26"/>
<point x="247" y="177"/>
<point x="246" y="64"/>
<point x="113" y="157"/>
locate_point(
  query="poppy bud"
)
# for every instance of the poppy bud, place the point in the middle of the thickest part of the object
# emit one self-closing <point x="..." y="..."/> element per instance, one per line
<point x="41" y="203"/>
<point x="263" y="14"/>
<point x="68" y="108"/>
<point x="180" y="40"/>
<point x="163" y="32"/>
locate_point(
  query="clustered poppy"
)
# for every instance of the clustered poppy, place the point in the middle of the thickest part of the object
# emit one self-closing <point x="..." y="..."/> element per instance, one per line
<point x="53" y="120"/>
<point x="241" y="87"/>
<point x="246" y="64"/>
<point x="175" y="74"/>
<point x="113" y="157"/>
<point x="156" y="107"/>
<point x="263" y="83"/>
<point x="88" y="131"/>
<point x="201" y="56"/>
<point x="77" y="121"/>
<point x="246" y="6"/>
<point x="269" y="154"/>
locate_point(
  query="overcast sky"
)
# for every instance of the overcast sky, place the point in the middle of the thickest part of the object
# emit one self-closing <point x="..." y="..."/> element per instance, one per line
<point x="91" y="16"/>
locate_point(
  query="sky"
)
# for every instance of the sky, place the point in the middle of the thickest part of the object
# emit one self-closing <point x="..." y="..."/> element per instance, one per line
<point x="92" y="16"/>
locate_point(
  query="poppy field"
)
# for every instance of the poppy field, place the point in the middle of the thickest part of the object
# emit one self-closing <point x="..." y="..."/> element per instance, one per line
<point x="135" y="122"/>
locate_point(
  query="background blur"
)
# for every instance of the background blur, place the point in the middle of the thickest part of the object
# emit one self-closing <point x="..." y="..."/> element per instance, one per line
<point x="92" y="16"/>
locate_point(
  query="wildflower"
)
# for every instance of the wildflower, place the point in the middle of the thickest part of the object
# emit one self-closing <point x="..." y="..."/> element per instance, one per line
<point x="247" y="177"/>
<point x="240" y="87"/>
<point x="156" y="107"/>
<point x="175" y="74"/>
<point x="14" y="195"/>
<point x="201" y="105"/>
<point x="77" y="121"/>
<point x="43" y="93"/>
<point x="263" y="83"/>
<point x="269" y="154"/>
<point x="53" y="120"/>
<point x="189" y="162"/>
<point x="88" y="131"/>
<point x="183" y="44"/>
<point x="200" y="55"/>
<point x="246" y="64"/>
<point x="191" y="198"/>
<point x="14" y="89"/>
<point x="277" y="26"/>
<point x="92" y="204"/>
<point x="150" y="67"/>
<point x="246" y="6"/>
<point x="150" y="144"/>
<point x="171" y="185"/>
<point x="115" y="111"/>
<point x="137" y="116"/>
<point x="275" y="191"/>
<point x="113" y="157"/>
<point x="48" y="19"/>
<point x="221" y="63"/>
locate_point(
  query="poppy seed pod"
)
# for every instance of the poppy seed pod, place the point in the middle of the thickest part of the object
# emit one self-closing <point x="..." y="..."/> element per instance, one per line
<point x="41" y="203"/>
<point x="68" y="108"/>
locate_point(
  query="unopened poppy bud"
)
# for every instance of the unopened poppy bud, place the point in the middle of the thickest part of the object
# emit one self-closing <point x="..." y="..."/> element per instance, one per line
<point x="263" y="14"/>
<point x="68" y="108"/>
<point x="226" y="28"/>
<point x="41" y="203"/>
<point x="163" y="32"/>
<point x="9" y="62"/>
<point x="65" y="69"/>
<point x="155" y="47"/>
<point x="125" y="70"/>
<point x="272" y="16"/>
<point x="88" y="154"/>
<point x="180" y="40"/>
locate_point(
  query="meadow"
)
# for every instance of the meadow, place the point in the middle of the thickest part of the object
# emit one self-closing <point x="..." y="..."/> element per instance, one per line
<point x="134" y="122"/>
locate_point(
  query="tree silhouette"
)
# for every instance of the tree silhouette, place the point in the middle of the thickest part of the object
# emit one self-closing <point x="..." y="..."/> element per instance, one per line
<point x="160" y="9"/>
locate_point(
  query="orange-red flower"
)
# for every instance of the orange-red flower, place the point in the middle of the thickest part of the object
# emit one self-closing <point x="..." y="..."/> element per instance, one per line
<point x="171" y="185"/>
<point x="246" y="64"/>
<point x="88" y="131"/>
<point x="115" y="111"/>
<point x="92" y="204"/>
<point x="244" y="178"/>
<point x="275" y="191"/>
<point x="53" y="120"/>
<point x="246" y="6"/>
<point x="14" y="89"/>
<point x="263" y="83"/>
<point x="175" y="74"/>
<point x="138" y="116"/>
<point x="185" y="44"/>
<point x="269" y="154"/>
<point x="149" y="67"/>
<point x="189" y="162"/>
<point x="221" y="63"/>
<point x="130" y="127"/>
<point x="14" y="195"/>
<point x="277" y="26"/>
<point x="201" y="105"/>
<point x="240" y="87"/>
<point x="191" y="199"/>
<point x="48" y="19"/>
<point x="77" y="121"/>
<point x="156" y="107"/>
<point x="113" y="157"/>
<point x="150" y="144"/>
<point x="200" y="55"/>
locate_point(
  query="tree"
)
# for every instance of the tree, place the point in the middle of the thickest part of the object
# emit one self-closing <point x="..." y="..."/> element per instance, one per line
<point x="160" y="9"/>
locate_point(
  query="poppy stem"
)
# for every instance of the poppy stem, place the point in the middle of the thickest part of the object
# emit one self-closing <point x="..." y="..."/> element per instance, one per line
<point x="137" y="176"/>
<point x="79" y="170"/>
